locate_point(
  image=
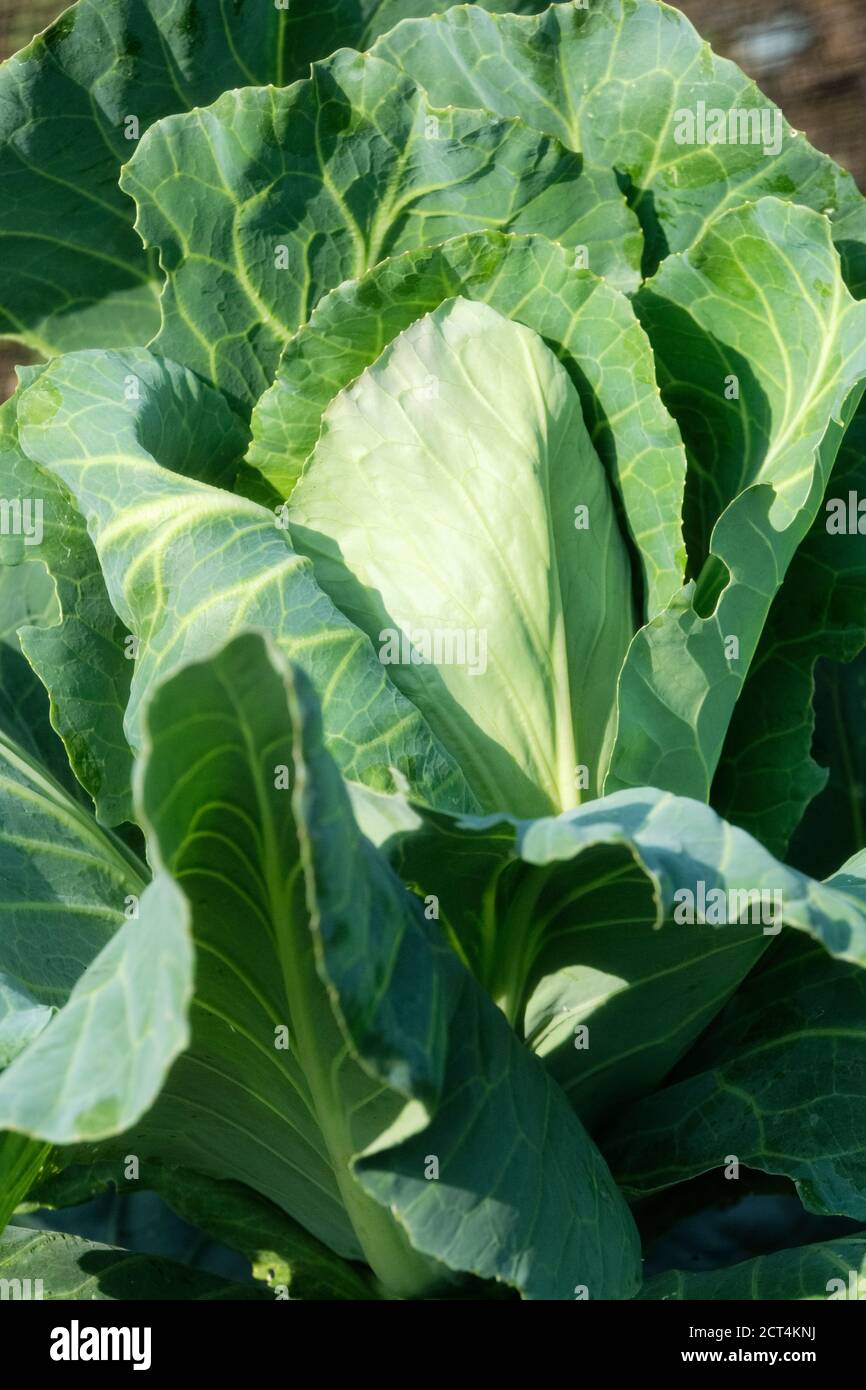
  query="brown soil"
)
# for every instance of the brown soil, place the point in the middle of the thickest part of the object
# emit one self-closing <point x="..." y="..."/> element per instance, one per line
<point x="809" y="56"/>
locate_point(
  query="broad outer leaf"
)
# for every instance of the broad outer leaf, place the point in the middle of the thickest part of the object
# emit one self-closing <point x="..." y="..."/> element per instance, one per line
<point x="100" y="1063"/>
<point x="281" y="1253"/>
<point x="75" y="649"/>
<point x="62" y="879"/>
<point x="810" y="1273"/>
<point x="766" y="777"/>
<point x="185" y="563"/>
<point x="441" y="510"/>
<point x="616" y="80"/>
<point x="72" y="1268"/>
<point x="575" y="927"/>
<point x="778" y="1082"/>
<point x="758" y="299"/>
<point x="590" y="326"/>
<point x="73" y="105"/>
<point x="27" y="595"/>
<point x="394" y="1055"/>
<point x="81" y="653"/>
<point x="262" y="202"/>
<point x="244" y="1102"/>
<point x="94" y="1066"/>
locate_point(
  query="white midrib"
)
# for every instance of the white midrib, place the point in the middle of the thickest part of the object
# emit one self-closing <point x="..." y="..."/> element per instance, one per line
<point x="565" y="744"/>
<point x="565" y="757"/>
<point x="402" y="1272"/>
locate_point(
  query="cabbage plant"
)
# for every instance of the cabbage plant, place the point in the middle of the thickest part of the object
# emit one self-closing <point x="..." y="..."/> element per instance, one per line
<point x="433" y="586"/>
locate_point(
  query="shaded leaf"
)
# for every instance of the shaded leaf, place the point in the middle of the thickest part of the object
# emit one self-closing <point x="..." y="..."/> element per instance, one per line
<point x="281" y="1253"/>
<point x="812" y="1272"/>
<point x="72" y="1268"/>
<point x="778" y="751"/>
<point x="100" y="1063"/>
<point x="66" y="885"/>
<point x="779" y="1082"/>
<point x="578" y="927"/>
<point x="835" y="823"/>
<point x="59" y="872"/>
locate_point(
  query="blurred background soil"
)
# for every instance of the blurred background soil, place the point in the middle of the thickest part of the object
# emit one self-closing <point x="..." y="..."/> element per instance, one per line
<point x="809" y="56"/>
